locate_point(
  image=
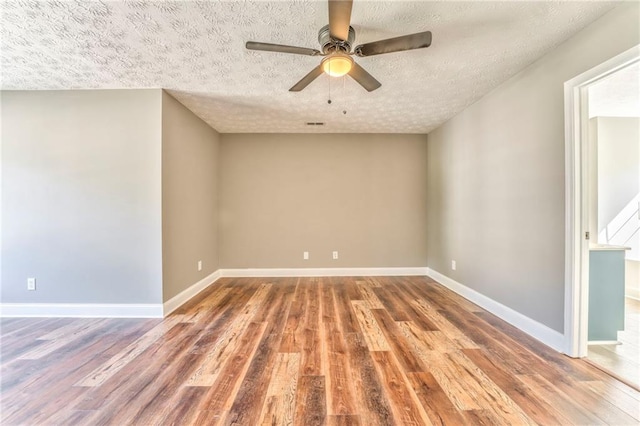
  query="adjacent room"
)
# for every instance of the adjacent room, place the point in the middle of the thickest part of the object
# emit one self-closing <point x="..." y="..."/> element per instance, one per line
<point x="614" y="169"/>
<point x="311" y="212"/>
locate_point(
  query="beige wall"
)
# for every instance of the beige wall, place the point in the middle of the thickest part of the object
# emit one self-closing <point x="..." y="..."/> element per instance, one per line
<point x="362" y="195"/>
<point x="81" y="196"/>
<point x="496" y="177"/>
<point x="189" y="197"/>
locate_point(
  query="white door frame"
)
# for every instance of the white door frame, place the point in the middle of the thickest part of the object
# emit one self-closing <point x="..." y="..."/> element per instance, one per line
<point x="576" y="121"/>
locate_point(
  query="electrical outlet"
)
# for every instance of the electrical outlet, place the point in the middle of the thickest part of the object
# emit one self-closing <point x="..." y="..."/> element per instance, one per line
<point x="199" y="265"/>
<point x="335" y="255"/>
<point x="305" y="255"/>
<point x="453" y="265"/>
<point x="31" y="284"/>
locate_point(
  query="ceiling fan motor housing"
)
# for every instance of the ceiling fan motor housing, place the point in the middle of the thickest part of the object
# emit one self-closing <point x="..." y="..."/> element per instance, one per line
<point x="330" y="45"/>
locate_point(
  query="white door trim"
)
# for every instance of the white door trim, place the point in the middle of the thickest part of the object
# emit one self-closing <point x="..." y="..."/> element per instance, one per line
<point x="576" y="199"/>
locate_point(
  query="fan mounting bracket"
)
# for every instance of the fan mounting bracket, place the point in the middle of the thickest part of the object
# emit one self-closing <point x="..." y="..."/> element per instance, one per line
<point x="330" y="45"/>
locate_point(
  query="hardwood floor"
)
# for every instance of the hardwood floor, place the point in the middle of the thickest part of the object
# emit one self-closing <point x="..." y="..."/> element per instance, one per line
<point x="622" y="360"/>
<point x="303" y="351"/>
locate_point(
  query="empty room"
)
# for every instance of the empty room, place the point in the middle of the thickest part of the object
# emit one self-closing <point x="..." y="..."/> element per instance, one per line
<point x="318" y="212"/>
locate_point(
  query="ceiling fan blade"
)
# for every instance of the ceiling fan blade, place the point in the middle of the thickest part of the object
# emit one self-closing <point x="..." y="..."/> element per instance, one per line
<point x="307" y="79"/>
<point x="365" y="79"/>
<point x="270" y="47"/>
<point x="397" y="44"/>
<point x="340" y="18"/>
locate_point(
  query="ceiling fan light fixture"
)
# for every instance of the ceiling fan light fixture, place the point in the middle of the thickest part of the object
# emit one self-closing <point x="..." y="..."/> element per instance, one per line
<point x="337" y="64"/>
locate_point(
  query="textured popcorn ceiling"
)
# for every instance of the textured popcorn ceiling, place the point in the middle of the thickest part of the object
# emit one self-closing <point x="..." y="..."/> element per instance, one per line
<point x="195" y="49"/>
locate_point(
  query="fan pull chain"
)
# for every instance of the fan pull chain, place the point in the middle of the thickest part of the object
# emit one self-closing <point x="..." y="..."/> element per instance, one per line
<point x="329" y="76"/>
<point x="344" y="90"/>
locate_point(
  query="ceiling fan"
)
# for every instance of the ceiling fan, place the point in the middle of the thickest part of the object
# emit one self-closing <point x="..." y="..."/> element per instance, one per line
<point x="335" y="40"/>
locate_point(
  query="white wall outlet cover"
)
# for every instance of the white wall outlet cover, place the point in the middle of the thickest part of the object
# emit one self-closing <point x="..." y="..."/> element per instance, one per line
<point x="335" y="255"/>
<point x="453" y="265"/>
<point x="305" y="255"/>
<point x="31" y="283"/>
<point x="199" y="265"/>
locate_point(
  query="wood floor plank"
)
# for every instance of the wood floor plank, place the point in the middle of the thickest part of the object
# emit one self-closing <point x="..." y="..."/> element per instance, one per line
<point x="153" y="385"/>
<point x="608" y="412"/>
<point x="371" y="398"/>
<point x="392" y="302"/>
<point x="443" y="324"/>
<point x="24" y="339"/>
<point x="41" y="414"/>
<point x="203" y="309"/>
<point x="340" y="393"/>
<point x="454" y="380"/>
<point x="328" y="303"/>
<point x="614" y="395"/>
<point x="343" y="420"/>
<point x="510" y="352"/>
<point x="54" y="341"/>
<point x="375" y="338"/>
<point x="623" y="362"/>
<point x="479" y="418"/>
<point x="434" y="400"/>
<point x="30" y="375"/>
<point x="421" y="340"/>
<point x="368" y="295"/>
<point x="118" y="361"/>
<point x="404" y="403"/>
<point x="402" y="349"/>
<point x="469" y="388"/>
<point x="11" y="328"/>
<point x="311" y="337"/>
<point x="534" y="407"/>
<point x="208" y="372"/>
<point x="183" y="409"/>
<point x="72" y="362"/>
<point x="440" y="295"/>
<point x="70" y="330"/>
<point x="77" y="359"/>
<point x="248" y="402"/>
<point x="216" y="320"/>
<point x="320" y="350"/>
<point x="80" y="356"/>
<point x="311" y="405"/>
<point x="533" y="352"/>
<point x="280" y="405"/>
<point x="408" y="295"/>
<point x="556" y="373"/>
<point x="140" y="373"/>
<point x="563" y="406"/>
<point x="346" y="314"/>
<point x="223" y="391"/>
<point x="496" y="401"/>
<point x="374" y="281"/>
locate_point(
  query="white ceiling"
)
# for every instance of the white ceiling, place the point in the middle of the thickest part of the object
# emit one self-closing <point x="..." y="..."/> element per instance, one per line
<point x="195" y="49"/>
<point x="617" y="95"/>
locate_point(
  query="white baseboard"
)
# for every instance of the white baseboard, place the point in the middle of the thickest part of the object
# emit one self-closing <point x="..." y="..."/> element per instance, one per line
<point x="181" y="298"/>
<point x="81" y="310"/>
<point x="323" y="272"/>
<point x="603" y="342"/>
<point x="541" y="332"/>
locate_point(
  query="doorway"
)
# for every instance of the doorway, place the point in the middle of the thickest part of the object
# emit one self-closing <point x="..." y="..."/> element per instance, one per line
<point x="602" y="115"/>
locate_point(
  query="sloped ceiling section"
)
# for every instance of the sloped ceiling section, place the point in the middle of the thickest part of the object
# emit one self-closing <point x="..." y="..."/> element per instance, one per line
<point x="195" y="49"/>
